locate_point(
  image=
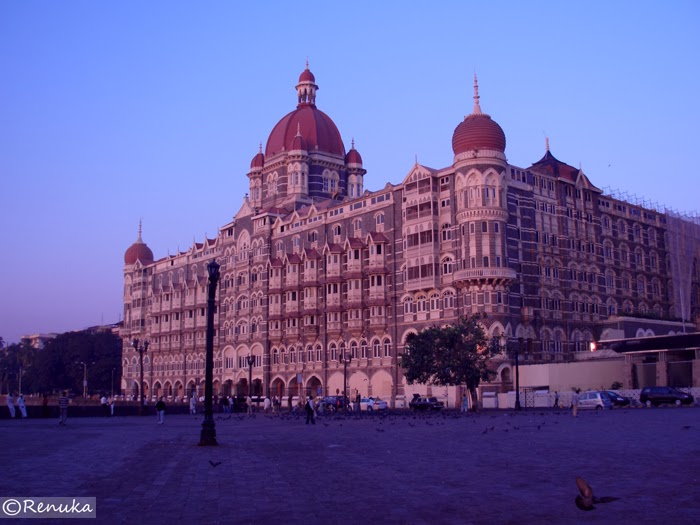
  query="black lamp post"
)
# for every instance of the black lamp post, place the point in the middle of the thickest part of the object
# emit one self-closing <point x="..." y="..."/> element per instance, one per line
<point x="142" y="349"/>
<point x="518" y="349"/>
<point x="251" y="360"/>
<point x="208" y="435"/>
<point x="113" y="369"/>
<point x="347" y="359"/>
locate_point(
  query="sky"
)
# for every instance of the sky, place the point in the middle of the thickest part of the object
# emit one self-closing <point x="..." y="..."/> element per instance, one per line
<point x="115" y="112"/>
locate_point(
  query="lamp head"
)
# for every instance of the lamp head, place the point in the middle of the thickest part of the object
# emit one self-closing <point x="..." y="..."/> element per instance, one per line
<point x="213" y="269"/>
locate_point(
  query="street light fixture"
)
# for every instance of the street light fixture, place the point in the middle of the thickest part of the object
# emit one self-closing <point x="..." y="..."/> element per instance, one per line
<point x="85" y="383"/>
<point x="141" y="349"/>
<point x="208" y="434"/>
<point x="346" y="360"/>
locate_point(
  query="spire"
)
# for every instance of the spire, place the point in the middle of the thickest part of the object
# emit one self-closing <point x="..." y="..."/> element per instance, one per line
<point x="477" y="108"/>
<point x="260" y="148"/>
<point x="139" y="237"/>
<point x="353" y="143"/>
<point x="307" y="63"/>
<point x="546" y="143"/>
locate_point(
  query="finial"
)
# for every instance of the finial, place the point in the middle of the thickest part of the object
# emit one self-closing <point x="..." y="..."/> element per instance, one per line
<point x="416" y="155"/>
<point x="307" y="63"/>
<point x="546" y="143"/>
<point x="260" y="148"/>
<point x="139" y="239"/>
<point x="353" y="143"/>
<point x="477" y="108"/>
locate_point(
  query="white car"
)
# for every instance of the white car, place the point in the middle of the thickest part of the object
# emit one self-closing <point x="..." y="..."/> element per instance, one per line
<point x="594" y="400"/>
<point x="371" y="404"/>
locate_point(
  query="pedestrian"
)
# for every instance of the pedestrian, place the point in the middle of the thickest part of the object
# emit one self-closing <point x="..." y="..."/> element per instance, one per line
<point x="574" y="403"/>
<point x="193" y="404"/>
<point x="22" y="406"/>
<point x="556" y="399"/>
<point x="63" y="402"/>
<point x="104" y="405"/>
<point x="310" y="414"/>
<point x="289" y="402"/>
<point x="111" y="406"/>
<point x="465" y="403"/>
<point x="267" y="404"/>
<point x="249" y="405"/>
<point x="160" y="409"/>
<point x="11" y="404"/>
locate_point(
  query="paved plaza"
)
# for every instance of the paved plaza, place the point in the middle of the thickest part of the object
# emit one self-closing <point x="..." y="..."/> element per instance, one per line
<point x="494" y="467"/>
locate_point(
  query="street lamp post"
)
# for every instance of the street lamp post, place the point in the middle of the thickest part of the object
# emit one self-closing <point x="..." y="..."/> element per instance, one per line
<point x="141" y="349"/>
<point x="347" y="359"/>
<point x="518" y="349"/>
<point x="251" y="360"/>
<point x="208" y="434"/>
<point x="84" y="379"/>
<point x="113" y="369"/>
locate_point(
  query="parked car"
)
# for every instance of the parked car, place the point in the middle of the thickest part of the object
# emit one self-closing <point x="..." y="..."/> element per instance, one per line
<point x="425" y="403"/>
<point x="657" y="395"/>
<point x="616" y="399"/>
<point x="594" y="400"/>
<point x="334" y="403"/>
<point x="370" y="404"/>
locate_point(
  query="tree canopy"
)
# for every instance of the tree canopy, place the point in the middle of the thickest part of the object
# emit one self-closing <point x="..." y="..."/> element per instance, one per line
<point x="454" y="355"/>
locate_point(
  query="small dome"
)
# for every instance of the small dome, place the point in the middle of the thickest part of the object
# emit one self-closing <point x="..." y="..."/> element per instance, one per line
<point x="298" y="144"/>
<point x="258" y="161"/>
<point x="307" y="76"/>
<point x="478" y="131"/>
<point x="353" y="156"/>
<point x="138" y="252"/>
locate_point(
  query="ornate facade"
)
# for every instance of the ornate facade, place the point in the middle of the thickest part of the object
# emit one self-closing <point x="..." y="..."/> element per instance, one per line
<point x="314" y="267"/>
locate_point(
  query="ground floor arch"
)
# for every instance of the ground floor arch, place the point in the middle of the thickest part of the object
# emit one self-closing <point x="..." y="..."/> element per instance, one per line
<point x="314" y="387"/>
<point x="381" y="385"/>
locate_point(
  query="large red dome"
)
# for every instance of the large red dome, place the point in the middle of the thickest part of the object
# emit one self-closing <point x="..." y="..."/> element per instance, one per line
<point x="478" y="131"/>
<point x="318" y="130"/>
<point x="138" y="251"/>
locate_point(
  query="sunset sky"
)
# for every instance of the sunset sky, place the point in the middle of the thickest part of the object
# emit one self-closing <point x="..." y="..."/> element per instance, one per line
<point x="112" y="112"/>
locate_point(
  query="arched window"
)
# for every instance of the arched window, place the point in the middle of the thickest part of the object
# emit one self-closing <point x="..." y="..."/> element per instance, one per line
<point x="376" y="349"/>
<point x="387" y="348"/>
<point x="364" y="349"/>
<point x="334" y="352"/>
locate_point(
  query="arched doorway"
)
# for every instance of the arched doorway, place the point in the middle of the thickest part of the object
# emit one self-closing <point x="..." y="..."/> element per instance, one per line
<point x="277" y="388"/>
<point x="314" y="387"/>
<point x="242" y="387"/>
<point x="257" y="387"/>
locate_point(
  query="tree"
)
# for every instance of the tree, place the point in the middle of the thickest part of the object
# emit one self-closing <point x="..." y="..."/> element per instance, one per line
<point x="455" y="355"/>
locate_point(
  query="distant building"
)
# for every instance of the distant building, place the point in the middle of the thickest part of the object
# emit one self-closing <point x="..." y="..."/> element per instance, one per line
<point x="37" y="340"/>
<point x="315" y="267"/>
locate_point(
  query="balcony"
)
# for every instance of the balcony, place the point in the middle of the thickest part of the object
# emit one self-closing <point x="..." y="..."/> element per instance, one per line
<point x="491" y="275"/>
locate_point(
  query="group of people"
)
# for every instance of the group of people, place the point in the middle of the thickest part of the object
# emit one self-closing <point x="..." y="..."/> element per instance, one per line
<point x="20" y="404"/>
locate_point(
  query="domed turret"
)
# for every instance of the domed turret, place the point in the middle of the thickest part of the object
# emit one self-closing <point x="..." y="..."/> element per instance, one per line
<point x="477" y="131"/>
<point x="258" y="161"/>
<point x="319" y="132"/>
<point x="353" y="158"/>
<point x="138" y="251"/>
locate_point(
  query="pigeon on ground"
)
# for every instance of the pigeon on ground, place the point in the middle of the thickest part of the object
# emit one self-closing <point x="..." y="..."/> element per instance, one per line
<point x="214" y="463"/>
<point x="586" y="499"/>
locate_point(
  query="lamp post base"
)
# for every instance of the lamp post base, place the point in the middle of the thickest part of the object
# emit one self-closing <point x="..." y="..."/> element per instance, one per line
<point x="207" y="438"/>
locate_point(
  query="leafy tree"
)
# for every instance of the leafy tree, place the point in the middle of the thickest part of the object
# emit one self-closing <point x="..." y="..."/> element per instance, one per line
<point x="455" y="355"/>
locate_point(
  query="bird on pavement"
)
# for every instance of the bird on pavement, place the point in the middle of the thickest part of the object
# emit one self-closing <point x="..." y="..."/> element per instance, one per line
<point x="585" y="500"/>
<point x="214" y="463"/>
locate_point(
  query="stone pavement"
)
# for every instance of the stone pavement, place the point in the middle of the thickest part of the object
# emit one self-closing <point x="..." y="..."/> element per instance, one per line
<point x="495" y="467"/>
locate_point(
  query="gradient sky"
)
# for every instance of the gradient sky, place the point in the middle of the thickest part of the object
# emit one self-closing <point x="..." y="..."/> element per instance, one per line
<point x="115" y="111"/>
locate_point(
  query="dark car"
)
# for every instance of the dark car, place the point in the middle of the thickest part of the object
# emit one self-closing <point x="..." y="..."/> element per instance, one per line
<point x="616" y="399"/>
<point x="426" y="403"/>
<point x="335" y="403"/>
<point x="657" y="395"/>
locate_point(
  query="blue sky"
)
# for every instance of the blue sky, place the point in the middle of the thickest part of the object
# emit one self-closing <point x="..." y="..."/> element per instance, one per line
<point x="115" y="111"/>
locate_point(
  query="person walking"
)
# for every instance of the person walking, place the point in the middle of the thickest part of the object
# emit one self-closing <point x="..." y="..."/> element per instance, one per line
<point x="556" y="399"/>
<point x="22" y="406"/>
<point x="193" y="405"/>
<point x="289" y="403"/>
<point x="310" y="414"/>
<point x="574" y="403"/>
<point x="11" y="404"/>
<point x="267" y="405"/>
<point x="104" y="406"/>
<point x="465" y="403"/>
<point x="111" y="406"/>
<point x="249" y="405"/>
<point x="160" y="409"/>
<point x="63" y="402"/>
